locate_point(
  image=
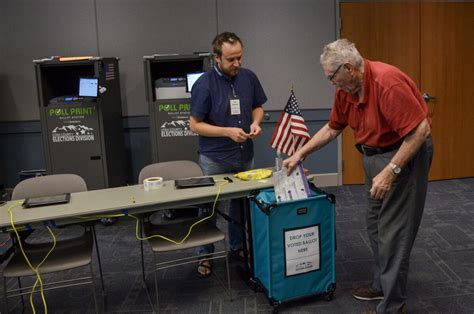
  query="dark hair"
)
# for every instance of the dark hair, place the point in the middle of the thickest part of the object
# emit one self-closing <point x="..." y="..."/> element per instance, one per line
<point x="225" y="37"/>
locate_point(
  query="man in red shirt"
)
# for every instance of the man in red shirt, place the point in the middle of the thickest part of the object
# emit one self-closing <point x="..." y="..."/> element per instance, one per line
<point x="392" y="131"/>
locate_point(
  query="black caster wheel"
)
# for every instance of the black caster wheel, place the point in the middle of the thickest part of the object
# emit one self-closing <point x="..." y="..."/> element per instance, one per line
<point x="329" y="296"/>
<point x="275" y="306"/>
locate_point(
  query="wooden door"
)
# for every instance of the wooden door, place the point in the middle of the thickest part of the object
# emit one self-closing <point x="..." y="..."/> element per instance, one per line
<point x="419" y="38"/>
<point x="447" y="66"/>
<point x="387" y="32"/>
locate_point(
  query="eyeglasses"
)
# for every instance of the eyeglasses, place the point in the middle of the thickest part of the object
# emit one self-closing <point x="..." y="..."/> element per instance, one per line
<point x="330" y="77"/>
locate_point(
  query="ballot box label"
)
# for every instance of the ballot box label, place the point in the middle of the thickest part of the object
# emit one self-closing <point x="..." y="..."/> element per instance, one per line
<point x="302" y="250"/>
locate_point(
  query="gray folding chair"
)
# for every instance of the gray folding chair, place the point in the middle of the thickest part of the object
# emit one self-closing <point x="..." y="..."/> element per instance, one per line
<point x="202" y="234"/>
<point x="71" y="251"/>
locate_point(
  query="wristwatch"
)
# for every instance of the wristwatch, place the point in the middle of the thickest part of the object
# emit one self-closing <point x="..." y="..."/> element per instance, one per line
<point x="395" y="168"/>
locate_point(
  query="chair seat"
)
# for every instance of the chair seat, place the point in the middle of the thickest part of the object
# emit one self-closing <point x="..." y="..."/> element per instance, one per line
<point x="201" y="234"/>
<point x="67" y="254"/>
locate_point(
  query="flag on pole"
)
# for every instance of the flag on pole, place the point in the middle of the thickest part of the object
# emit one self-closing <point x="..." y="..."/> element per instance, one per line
<point x="291" y="132"/>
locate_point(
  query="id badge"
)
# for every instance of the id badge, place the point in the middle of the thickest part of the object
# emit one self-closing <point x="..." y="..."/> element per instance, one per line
<point x="235" y="106"/>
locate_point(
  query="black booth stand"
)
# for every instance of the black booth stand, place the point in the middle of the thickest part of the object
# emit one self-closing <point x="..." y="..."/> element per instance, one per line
<point x="168" y="97"/>
<point x="82" y="135"/>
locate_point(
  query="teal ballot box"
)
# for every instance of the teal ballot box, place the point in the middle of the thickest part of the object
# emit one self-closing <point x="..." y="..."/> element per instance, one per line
<point x="294" y="246"/>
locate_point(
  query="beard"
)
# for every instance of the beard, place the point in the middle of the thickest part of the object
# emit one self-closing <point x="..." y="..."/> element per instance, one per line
<point x="231" y="72"/>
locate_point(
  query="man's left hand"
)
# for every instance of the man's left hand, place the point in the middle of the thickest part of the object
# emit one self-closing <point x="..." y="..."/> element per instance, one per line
<point x="255" y="130"/>
<point x="382" y="183"/>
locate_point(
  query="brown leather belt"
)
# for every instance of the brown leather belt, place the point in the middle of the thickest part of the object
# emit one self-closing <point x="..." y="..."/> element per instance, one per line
<point x="370" y="151"/>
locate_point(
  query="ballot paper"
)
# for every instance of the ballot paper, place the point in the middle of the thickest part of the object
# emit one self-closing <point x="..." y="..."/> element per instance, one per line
<point x="291" y="187"/>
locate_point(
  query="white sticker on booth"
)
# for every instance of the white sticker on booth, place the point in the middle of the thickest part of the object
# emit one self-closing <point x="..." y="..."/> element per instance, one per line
<point x="302" y="250"/>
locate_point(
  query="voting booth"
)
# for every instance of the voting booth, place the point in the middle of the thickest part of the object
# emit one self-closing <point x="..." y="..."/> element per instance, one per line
<point x="169" y="80"/>
<point x="294" y="246"/>
<point x="81" y="119"/>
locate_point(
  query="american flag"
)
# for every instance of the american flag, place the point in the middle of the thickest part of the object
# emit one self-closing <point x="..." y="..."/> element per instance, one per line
<point x="109" y="71"/>
<point x="291" y="132"/>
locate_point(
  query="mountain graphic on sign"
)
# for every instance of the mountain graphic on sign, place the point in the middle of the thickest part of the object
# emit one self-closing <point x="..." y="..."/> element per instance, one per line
<point x="77" y="129"/>
<point x="176" y="124"/>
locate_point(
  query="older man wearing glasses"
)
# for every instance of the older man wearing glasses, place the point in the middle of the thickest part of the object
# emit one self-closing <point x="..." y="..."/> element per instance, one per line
<point x="392" y="131"/>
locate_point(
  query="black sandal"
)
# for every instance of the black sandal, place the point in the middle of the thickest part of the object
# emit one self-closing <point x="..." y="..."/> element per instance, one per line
<point x="203" y="263"/>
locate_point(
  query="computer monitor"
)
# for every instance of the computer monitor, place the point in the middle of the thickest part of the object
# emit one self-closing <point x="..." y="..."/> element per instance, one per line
<point x="191" y="78"/>
<point x="88" y="86"/>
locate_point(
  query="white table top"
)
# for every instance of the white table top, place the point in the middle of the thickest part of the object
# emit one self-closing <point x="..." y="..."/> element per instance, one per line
<point x="134" y="199"/>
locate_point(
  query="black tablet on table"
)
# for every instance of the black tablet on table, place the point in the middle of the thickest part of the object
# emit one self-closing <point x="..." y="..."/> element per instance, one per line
<point x="194" y="182"/>
<point x="47" y="200"/>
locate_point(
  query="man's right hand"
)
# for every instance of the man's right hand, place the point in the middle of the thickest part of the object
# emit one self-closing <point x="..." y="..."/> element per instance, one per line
<point x="291" y="163"/>
<point x="237" y="135"/>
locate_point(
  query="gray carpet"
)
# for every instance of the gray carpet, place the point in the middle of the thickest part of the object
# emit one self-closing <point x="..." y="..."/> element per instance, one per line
<point x="441" y="276"/>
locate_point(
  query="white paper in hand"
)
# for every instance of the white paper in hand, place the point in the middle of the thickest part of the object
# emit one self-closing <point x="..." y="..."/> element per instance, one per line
<point x="290" y="187"/>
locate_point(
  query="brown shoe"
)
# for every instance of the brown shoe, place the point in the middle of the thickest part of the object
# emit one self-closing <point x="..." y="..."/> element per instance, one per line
<point x="367" y="293"/>
<point x="403" y="310"/>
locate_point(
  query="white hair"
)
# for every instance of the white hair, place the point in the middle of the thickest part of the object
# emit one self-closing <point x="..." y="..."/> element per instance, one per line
<point x="339" y="52"/>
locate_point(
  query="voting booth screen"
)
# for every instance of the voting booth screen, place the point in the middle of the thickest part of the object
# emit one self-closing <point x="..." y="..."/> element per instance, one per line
<point x="88" y="86"/>
<point x="191" y="78"/>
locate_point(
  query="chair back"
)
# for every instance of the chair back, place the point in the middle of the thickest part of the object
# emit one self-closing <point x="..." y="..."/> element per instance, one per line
<point x="171" y="170"/>
<point x="49" y="185"/>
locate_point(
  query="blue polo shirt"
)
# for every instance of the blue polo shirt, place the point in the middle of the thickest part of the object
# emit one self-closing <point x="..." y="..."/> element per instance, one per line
<point x="211" y="95"/>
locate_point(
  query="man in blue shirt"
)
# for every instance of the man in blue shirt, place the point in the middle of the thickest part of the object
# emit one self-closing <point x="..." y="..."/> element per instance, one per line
<point x="226" y="111"/>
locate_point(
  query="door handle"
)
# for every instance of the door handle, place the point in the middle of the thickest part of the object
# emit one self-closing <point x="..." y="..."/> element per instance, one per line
<point x="427" y="97"/>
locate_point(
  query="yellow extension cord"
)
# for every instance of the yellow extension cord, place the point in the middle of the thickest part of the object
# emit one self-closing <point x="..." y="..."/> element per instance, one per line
<point x="36" y="269"/>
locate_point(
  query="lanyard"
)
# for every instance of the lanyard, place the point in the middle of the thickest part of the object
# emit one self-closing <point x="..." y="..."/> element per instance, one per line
<point x="233" y="90"/>
<point x="227" y="79"/>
